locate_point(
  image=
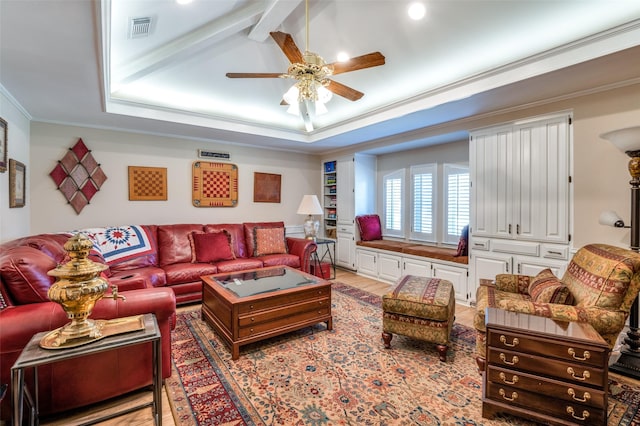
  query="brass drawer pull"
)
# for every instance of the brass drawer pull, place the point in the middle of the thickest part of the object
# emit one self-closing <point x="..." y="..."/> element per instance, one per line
<point x="586" y="397"/>
<point x="503" y="394"/>
<point x="513" y="381"/>
<point x="515" y="343"/>
<point x="585" y="375"/>
<point x="513" y="361"/>
<point x="585" y="356"/>
<point x="585" y="413"/>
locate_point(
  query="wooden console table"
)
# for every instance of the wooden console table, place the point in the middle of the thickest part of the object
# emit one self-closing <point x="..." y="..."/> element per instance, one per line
<point x="554" y="372"/>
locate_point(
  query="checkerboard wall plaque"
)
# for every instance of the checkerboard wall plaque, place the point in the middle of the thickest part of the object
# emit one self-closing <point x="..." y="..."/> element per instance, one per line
<point x="78" y="176"/>
<point x="147" y="183"/>
<point x="215" y="184"/>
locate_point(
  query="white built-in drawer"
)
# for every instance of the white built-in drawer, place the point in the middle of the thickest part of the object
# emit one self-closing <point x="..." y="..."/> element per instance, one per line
<point x="480" y="244"/>
<point x="346" y="229"/>
<point x="516" y="247"/>
<point x="551" y="251"/>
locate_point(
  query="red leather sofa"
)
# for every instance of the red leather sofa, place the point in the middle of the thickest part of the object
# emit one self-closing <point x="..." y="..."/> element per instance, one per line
<point x="163" y="272"/>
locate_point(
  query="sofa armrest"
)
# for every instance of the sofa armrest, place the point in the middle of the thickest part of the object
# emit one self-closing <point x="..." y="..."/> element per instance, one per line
<point x="302" y="248"/>
<point x="20" y="323"/>
<point x="513" y="283"/>
<point x="604" y="321"/>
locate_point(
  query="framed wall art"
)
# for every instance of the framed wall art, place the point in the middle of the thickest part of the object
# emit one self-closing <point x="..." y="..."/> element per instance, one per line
<point x="3" y="146"/>
<point x="17" y="181"/>
<point x="266" y="187"/>
<point x="147" y="183"/>
<point x="214" y="184"/>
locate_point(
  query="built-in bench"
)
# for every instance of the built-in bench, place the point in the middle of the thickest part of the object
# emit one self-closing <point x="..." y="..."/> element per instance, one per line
<point x="387" y="260"/>
<point x="422" y="250"/>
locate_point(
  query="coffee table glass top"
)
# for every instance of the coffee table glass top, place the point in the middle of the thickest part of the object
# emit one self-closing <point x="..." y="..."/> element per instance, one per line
<point x="245" y="284"/>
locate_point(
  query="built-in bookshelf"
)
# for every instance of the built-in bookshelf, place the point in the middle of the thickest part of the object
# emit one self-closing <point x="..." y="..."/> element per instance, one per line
<point x="330" y="197"/>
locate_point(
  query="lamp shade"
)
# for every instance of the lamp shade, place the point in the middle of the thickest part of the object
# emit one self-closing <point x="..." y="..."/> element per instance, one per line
<point x="310" y="205"/>
<point x="627" y="139"/>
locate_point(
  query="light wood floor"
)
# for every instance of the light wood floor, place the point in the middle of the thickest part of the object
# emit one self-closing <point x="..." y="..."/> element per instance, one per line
<point x="143" y="417"/>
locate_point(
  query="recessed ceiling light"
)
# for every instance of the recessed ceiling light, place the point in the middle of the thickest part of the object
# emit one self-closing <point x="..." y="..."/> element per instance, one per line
<point x="416" y="11"/>
<point x="343" y="57"/>
<point x="183" y="1"/>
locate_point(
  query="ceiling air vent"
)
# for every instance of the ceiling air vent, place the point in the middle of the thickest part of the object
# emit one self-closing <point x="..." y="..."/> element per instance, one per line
<point x="139" y="27"/>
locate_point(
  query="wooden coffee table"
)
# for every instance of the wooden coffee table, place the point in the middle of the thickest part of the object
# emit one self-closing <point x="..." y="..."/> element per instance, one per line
<point x="254" y="305"/>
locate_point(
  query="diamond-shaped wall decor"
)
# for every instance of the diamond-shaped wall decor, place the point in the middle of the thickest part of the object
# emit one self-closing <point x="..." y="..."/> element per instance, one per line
<point x="78" y="176"/>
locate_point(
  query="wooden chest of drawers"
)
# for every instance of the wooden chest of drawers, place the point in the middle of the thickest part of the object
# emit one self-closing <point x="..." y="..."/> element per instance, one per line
<point x="551" y="371"/>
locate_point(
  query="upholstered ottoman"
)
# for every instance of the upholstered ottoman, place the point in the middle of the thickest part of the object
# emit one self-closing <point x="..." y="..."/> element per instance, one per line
<point x="422" y="308"/>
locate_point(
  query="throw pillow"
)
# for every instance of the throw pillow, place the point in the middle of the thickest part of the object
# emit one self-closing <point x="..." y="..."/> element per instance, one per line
<point x="211" y="247"/>
<point x="369" y="227"/>
<point x="269" y="241"/>
<point x="547" y="288"/>
<point x="463" y="243"/>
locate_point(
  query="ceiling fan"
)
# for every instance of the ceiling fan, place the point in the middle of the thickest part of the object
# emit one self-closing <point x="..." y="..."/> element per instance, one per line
<point x="312" y="73"/>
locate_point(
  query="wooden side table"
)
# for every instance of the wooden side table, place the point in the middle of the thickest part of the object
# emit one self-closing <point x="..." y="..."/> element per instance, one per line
<point x="555" y="372"/>
<point x="33" y="356"/>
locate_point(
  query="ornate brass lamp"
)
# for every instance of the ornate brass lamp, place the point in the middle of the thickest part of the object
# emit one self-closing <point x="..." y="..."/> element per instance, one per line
<point x="77" y="288"/>
<point x="628" y="141"/>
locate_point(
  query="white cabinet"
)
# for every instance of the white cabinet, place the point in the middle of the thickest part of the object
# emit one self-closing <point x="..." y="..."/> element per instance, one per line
<point x="520" y="198"/>
<point x="345" y="247"/>
<point x="520" y="181"/>
<point x="389" y="267"/>
<point x="367" y="263"/>
<point x="416" y="267"/>
<point x="458" y="277"/>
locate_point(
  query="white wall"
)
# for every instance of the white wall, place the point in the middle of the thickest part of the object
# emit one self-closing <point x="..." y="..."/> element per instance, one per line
<point x="14" y="222"/>
<point x="115" y="151"/>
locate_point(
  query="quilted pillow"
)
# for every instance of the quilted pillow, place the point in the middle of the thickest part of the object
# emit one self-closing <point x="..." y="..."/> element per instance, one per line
<point x="547" y="288"/>
<point x="269" y="241"/>
<point x="211" y="247"/>
<point x="369" y="227"/>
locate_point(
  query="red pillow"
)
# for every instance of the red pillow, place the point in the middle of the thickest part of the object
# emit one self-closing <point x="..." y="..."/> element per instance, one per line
<point x="269" y="241"/>
<point x="369" y="226"/>
<point x="212" y="247"/>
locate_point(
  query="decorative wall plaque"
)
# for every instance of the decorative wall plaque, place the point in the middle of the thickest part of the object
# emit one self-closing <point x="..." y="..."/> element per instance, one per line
<point x="215" y="184"/>
<point x="147" y="183"/>
<point x="266" y="187"/>
<point x="78" y="176"/>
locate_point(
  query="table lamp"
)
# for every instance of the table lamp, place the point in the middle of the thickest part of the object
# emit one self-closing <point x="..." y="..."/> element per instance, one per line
<point x="628" y="141"/>
<point x="310" y="206"/>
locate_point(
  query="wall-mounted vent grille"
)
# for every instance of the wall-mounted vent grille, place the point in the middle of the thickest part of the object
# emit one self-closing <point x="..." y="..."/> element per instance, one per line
<point x="139" y="27"/>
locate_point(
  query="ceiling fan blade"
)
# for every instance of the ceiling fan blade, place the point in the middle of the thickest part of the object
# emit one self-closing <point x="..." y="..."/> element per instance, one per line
<point x="360" y="62"/>
<point x="254" y="74"/>
<point x="344" y="91"/>
<point x="288" y="46"/>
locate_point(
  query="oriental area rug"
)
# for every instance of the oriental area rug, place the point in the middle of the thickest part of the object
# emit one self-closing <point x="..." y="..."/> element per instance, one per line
<point x="340" y="377"/>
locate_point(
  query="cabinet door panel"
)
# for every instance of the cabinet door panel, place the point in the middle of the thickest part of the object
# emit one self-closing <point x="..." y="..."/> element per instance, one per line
<point x="458" y="278"/>
<point x="345" y="251"/>
<point x="532" y="266"/>
<point x="389" y="267"/>
<point x="345" y="209"/>
<point x="488" y="265"/>
<point x="367" y="263"/>
<point x="416" y="267"/>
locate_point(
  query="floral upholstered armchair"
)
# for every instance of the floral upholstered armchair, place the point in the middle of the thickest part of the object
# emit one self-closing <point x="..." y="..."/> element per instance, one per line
<point x="599" y="287"/>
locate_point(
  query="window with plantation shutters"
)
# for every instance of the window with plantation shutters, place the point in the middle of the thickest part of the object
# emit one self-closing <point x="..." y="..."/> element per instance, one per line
<point x="393" y="185"/>
<point x="456" y="200"/>
<point x="423" y="196"/>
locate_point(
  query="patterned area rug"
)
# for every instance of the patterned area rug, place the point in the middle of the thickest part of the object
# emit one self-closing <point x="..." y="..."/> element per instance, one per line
<point x="339" y="377"/>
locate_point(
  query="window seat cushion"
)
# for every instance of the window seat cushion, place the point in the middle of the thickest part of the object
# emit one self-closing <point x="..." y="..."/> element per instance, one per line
<point x="441" y="253"/>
